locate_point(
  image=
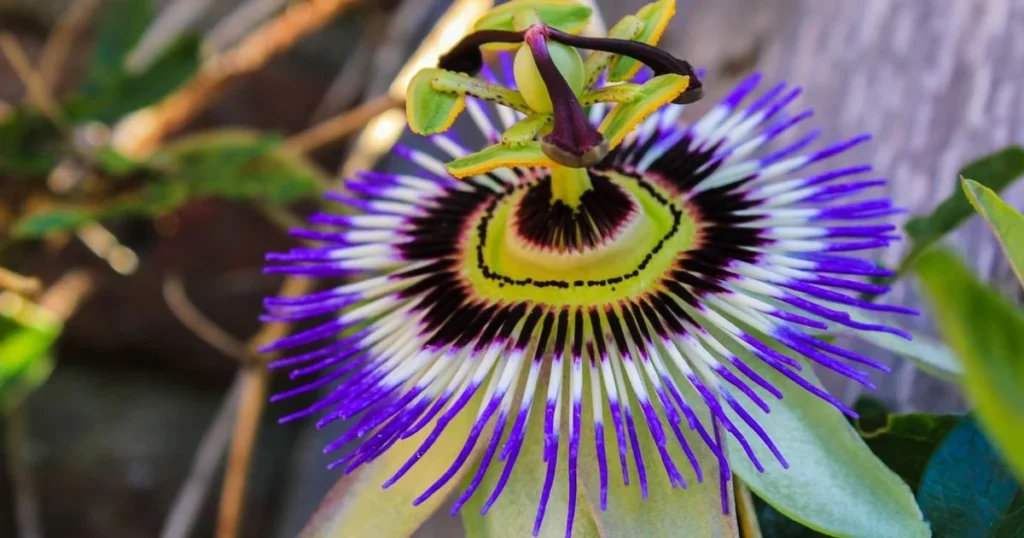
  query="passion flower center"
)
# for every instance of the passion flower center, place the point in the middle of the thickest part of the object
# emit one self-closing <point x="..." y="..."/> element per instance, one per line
<point x="510" y="256"/>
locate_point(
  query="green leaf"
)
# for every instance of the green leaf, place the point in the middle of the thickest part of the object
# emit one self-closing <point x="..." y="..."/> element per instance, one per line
<point x="906" y="441"/>
<point x="651" y="96"/>
<point x="987" y="332"/>
<point x="1006" y="222"/>
<point x="53" y="221"/>
<point x="26" y="334"/>
<point x="566" y="15"/>
<point x="29" y="145"/>
<point x="358" y="506"/>
<point x="233" y="164"/>
<point x="242" y="164"/>
<point x="121" y="26"/>
<point x="995" y="171"/>
<point x="775" y="525"/>
<point x="834" y="484"/>
<point x="655" y="17"/>
<point x="968" y="491"/>
<point x="124" y="92"/>
<point x="428" y="109"/>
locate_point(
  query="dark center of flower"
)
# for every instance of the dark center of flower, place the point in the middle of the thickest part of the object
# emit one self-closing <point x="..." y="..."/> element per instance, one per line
<point x="603" y="211"/>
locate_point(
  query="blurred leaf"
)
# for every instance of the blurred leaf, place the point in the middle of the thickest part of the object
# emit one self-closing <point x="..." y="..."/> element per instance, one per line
<point x="51" y="221"/>
<point x="987" y="332"/>
<point x="358" y="506"/>
<point x="834" y="484"/>
<point x="122" y="93"/>
<point x="233" y="164"/>
<point x="655" y="17"/>
<point x="1006" y="222"/>
<point x="995" y="171"/>
<point x="121" y="26"/>
<point x="566" y="15"/>
<point x="928" y="354"/>
<point x="967" y="490"/>
<point x="26" y="335"/>
<point x="28" y="145"/>
<point x="242" y="164"/>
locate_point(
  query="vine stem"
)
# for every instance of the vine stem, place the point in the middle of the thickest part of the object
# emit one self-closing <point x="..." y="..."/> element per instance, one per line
<point x="140" y="134"/>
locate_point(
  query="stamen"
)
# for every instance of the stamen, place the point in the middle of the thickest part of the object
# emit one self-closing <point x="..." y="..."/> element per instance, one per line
<point x="573" y="141"/>
<point x="661" y="62"/>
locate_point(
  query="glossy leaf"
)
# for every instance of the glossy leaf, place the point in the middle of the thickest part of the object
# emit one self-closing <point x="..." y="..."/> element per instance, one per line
<point x="358" y="506"/>
<point x="834" y="484"/>
<point x="995" y="171"/>
<point x="987" y="332"/>
<point x="904" y="442"/>
<point x="655" y="17"/>
<point x="1006" y="222"/>
<point x="566" y="15"/>
<point x="967" y="490"/>
<point x="653" y="95"/>
<point x="429" y="110"/>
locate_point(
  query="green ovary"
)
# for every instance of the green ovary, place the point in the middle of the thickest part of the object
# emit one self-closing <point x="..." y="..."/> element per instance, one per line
<point x="599" y="275"/>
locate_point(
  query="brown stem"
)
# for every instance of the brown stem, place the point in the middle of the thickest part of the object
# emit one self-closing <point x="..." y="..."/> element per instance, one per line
<point x="190" y="499"/>
<point x="342" y="125"/>
<point x="252" y="402"/>
<point x="58" y="44"/>
<point x="200" y="325"/>
<point x="139" y="134"/>
<point x="36" y="90"/>
<point x="26" y="496"/>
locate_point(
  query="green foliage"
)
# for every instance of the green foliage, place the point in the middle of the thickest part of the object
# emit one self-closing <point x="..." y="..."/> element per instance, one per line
<point x="110" y="89"/>
<point x="1006" y="222"/>
<point x="987" y="332"/>
<point x="28" y="145"/>
<point x="26" y="334"/>
<point x="904" y="442"/>
<point x="232" y="164"/>
<point x="967" y="491"/>
<point x="834" y="484"/>
<point x="995" y="171"/>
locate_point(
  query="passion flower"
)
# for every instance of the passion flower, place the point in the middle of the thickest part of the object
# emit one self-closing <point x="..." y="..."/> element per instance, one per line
<point x="595" y="256"/>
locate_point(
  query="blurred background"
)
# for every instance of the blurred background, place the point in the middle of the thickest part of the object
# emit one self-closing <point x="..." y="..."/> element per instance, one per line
<point x="114" y="434"/>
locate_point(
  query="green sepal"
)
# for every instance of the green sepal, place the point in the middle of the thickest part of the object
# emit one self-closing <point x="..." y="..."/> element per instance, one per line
<point x="456" y="83"/>
<point x="655" y="17"/>
<point x="526" y="130"/>
<point x="428" y="109"/>
<point x="627" y="28"/>
<point x="624" y="93"/>
<point x="499" y="156"/>
<point x="565" y="15"/>
<point x="651" y="96"/>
